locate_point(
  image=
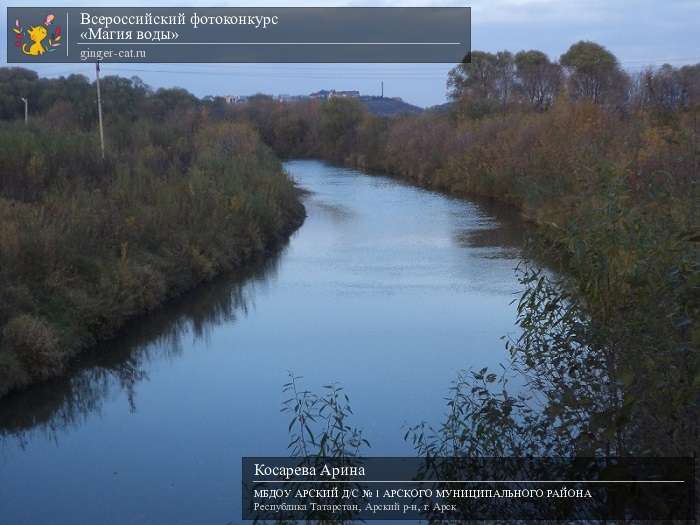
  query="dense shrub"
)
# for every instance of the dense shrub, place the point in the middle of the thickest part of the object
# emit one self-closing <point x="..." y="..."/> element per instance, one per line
<point x="34" y="344"/>
<point x="86" y="243"/>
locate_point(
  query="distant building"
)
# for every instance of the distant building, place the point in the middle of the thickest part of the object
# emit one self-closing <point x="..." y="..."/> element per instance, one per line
<point x="325" y="94"/>
<point x="236" y="99"/>
<point x="290" y="98"/>
<point x="345" y="94"/>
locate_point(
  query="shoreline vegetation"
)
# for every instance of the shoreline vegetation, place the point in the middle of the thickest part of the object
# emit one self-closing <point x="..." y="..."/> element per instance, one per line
<point x="604" y="163"/>
<point x="87" y="244"/>
<point x="607" y="165"/>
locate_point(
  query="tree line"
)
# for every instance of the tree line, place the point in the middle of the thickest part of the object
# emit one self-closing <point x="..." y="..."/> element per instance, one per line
<point x="502" y="81"/>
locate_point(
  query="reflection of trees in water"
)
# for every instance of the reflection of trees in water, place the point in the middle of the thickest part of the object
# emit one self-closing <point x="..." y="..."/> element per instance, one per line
<point x="337" y="213"/>
<point x="505" y="232"/>
<point x="120" y="365"/>
<point x="583" y="389"/>
<point x="558" y="377"/>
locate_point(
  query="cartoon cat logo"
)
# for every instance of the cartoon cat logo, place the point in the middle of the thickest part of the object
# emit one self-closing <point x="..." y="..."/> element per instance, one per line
<point x="36" y="36"/>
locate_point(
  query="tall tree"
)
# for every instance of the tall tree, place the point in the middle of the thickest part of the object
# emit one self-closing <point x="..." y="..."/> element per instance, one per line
<point x="486" y="84"/>
<point x="14" y="84"/>
<point x="539" y="79"/>
<point x="690" y="83"/>
<point x="594" y="74"/>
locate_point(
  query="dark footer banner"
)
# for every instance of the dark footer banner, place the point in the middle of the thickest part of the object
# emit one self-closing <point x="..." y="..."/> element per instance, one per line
<point x="445" y="488"/>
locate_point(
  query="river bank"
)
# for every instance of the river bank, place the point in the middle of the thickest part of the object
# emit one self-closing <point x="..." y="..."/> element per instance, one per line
<point x="614" y="194"/>
<point x="89" y="245"/>
<point x="383" y="280"/>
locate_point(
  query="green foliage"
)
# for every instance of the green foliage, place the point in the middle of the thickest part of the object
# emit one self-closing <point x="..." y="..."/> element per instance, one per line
<point x="320" y="434"/>
<point x="339" y="120"/>
<point x="34" y="344"/>
<point x="318" y="427"/>
<point x="87" y="244"/>
<point x="540" y="80"/>
<point x="571" y="388"/>
<point x="595" y="73"/>
<point x="589" y="58"/>
<point x="484" y="85"/>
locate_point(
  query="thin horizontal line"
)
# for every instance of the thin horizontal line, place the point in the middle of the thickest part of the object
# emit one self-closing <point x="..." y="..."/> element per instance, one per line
<point x="475" y="481"/>
<point x="136" y="44"/>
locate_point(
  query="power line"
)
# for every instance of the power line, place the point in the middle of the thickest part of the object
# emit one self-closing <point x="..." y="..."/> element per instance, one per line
<point x="366" y="73"/>
<point x="331" y="74"/>
<point x="350" y="73"/>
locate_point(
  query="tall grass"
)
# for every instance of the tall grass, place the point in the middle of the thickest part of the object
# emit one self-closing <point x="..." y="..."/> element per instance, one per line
<point x="86" y="244"/>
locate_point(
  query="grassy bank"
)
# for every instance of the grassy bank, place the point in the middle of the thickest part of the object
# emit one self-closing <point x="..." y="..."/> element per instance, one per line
<point x="86" y="243"/>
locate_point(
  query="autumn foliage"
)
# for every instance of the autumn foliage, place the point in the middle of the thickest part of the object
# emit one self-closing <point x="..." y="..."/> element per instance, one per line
<point x="607" y="165"/>
<point x="87" y="244"/>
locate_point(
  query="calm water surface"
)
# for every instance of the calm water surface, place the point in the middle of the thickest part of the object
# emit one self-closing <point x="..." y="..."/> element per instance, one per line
<point x="387" y="289"/>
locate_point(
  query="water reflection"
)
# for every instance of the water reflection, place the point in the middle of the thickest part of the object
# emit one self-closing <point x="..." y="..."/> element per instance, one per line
<point x="386" y="289"/>
<point x="500" y="229"/>
<point x="335" y="212"/>
<point x="119" y="365"/>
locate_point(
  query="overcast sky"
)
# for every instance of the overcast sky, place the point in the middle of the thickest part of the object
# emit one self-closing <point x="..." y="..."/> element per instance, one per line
<point x="639" y="32"/>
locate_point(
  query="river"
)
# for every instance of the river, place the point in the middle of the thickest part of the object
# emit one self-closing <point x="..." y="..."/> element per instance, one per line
<point x="387" y="289"/>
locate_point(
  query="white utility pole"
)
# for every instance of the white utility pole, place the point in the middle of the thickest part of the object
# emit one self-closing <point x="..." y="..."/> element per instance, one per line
<point x="26" y="109"/>
<point x="99" y="109"/>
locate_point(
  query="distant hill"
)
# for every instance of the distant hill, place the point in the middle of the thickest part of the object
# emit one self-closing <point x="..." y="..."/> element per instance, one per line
<point x="441" y="108"/>
<point x="388" y="107"/>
